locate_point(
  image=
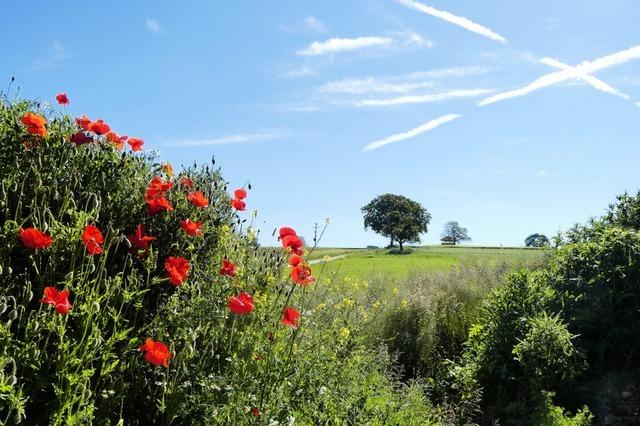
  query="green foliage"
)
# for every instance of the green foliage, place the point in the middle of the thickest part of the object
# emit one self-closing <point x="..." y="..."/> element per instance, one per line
<point x="536" y="240"/>
<point x="625" y="212"/>
<point x="85" y="366"/>
<point x="396" y="217"/>
<point x="454" y="233"/>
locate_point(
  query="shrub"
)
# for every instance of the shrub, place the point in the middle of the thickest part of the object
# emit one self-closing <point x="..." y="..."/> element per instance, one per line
<point x="134" y="335"/>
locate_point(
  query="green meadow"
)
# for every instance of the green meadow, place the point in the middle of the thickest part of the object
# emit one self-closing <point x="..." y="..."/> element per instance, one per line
<point x="364" y="263"/>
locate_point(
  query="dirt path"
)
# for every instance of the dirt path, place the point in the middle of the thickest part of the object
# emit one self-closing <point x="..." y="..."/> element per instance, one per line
<point x="313" y="262"/>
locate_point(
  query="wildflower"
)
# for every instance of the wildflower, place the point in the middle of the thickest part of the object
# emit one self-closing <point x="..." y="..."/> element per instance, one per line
<point x="139" y="240"/>
<point x="93" y="240"/>
<point x="293" y="244"/>
<point x="81" y="138"/>
<point x="186" y="182"/>
<point x="156" y="353"/>
<point x="57" y="299"/>
<point x="117" y="140"/>
<point x="255" y="411"/>
<point x="241" y="304"/>
<point x="284" y="231"/>
<point x="321" y="306"/>
<point x="301" y="274"/>
<point x="154" y="196"/>
<point x="404" y="303"/>
<point x="168" y="169"/>
<point x="290" y="317"/>
<point x="35" y="124"/>
<point x="99" y="127"/>
<point x="376" y="304"/>
<point x="135" y="144"/>
<point x="177" y="269"/>
<point x="240" y="194"/>
<point x="228" y="268"/>
<point x="295" y="260"/>
<point x="238" y="204"/>
<point x="395" y="291"/>
<point x="344" y="333"/>
<point x="62" y="99"/>
<point x="191" y="228"/>
<point x="83" y="122"/>
<point x="35" y="239"/>
<point x="197" y="199"/>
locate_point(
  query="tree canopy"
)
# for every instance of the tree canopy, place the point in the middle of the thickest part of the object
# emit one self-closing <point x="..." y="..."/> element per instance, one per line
<point x="536" y="240"/>
<point x="396" y="217"/>
<point x="455" y="233"/>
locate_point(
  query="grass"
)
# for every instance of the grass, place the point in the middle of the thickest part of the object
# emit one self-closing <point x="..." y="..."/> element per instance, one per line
<point x="364" y="263"/>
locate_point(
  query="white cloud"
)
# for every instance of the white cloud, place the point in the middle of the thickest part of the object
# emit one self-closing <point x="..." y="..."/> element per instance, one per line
<point x="516" y="142"/>
<point x="356" y="86"/>
<point x="453" y="19"/>
<point x="407" y="83"/>
<point x="542" y="173"/>
<point x="261" y="136"/>
<point x="430" y="125"/>
<point x="301" y="72"/>
<point x="335" y="45"/>
<point x="153" y="25"/>
<point x="584" y="68"/>
<point x="314" y="24"/>
<point x="637" y="104"/>
<point x="414" y="99"/>
<point x="56" y="54"/>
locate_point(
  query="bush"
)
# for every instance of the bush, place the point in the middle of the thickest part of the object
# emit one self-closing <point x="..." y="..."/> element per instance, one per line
<point x="82" y="361"/>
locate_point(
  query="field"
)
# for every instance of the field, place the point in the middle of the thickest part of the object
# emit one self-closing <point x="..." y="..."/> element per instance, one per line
<point x="364" y="263"/>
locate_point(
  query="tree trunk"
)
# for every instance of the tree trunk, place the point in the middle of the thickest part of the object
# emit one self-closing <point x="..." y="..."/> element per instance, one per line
<point x="400" y="243"/>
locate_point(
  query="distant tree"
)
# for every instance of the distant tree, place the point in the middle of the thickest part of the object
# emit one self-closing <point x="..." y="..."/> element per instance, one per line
<point x="396" y="217"/>
<point x="455" y="233"/>
<point x="536" y="240"/>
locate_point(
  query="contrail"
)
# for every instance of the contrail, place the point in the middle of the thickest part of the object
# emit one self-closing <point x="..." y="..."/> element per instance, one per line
<point x="456" y="20"/>
<point x="584" y="68"/>
<point x="430" y="125"/>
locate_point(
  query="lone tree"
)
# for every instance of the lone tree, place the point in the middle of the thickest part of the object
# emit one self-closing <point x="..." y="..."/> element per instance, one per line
<point x="536" y="240"/>
<point x="396" y="217"/>
<point x="455" y="233"/>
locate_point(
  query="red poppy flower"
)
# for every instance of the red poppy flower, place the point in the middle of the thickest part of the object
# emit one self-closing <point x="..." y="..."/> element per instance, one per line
<point x="35" y="124"/>
<point x="157" y="205"/>
<point x="242" y="304"/>
<point x="135" y="144"/>
<point x="35" y="239"/>
<point x="81" y="138"/>
<point x="295" y="260"/>
<point x="255" y="411"/>
<point x="228" y="268"/>
<point x="293" y="244"/>
<point x="139" y="240"/>
<point x="284" y="231"/>
<point x="198" y="199"/>
<point x="93" y="240"/>
<point x="238" y="204"/>
<point x="115" y="139"/>
<point x="186" y="182"/>
<point x="177" y="269"/>
<point x="156" y="353"/>
<point x="62" y="99"/>
<point x="301" y="274"/>
<point x="83" y="122"/>
<point x="99" y="127"/>
<point x="154" y="196"/>
<point x="57" y="299"/>
<point x="290" y="317"/>
<point x="240" y="194"/>
<point x="191" y="228"/>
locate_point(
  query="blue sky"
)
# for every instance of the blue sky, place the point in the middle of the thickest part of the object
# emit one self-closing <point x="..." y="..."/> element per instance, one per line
<point x="289" y="94"/>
